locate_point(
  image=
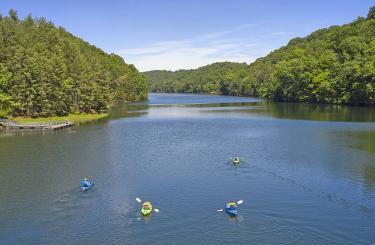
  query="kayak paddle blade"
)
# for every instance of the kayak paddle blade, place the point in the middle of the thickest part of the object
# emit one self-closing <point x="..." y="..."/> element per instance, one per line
<point x="156" y="210"/>
<point x="240" y="202"/>
<point x="220" y="210"/>
<point x="138" y="200"/>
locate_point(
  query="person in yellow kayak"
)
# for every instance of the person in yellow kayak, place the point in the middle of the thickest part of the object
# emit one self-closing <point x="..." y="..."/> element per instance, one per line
<point x="146" y="208"/>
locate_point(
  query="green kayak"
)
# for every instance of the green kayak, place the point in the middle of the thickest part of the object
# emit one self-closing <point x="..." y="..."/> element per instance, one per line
<point x="146" y="208"/>
<point x="236" y="160"/>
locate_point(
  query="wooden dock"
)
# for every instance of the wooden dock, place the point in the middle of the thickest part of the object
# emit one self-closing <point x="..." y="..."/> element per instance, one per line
<point x="7" y="124"/>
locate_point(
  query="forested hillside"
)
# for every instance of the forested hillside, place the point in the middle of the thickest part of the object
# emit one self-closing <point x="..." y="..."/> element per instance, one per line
<point x="46" y="71"/>
<point x="333" y="65"/>
<point x="217" y="78"/>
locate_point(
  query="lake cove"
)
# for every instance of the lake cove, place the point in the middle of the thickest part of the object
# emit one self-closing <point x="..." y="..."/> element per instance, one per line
<point x="307" y="175"/>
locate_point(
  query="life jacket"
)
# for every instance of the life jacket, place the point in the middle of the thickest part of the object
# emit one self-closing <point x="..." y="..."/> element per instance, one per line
<point x="147" y="205"/>
<point x="231" y="204"/>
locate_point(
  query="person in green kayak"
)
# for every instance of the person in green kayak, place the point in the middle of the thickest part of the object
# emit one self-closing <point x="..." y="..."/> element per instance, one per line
<point x="236" y="160"/>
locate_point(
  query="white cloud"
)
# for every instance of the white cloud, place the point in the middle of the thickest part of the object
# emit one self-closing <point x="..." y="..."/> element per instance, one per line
<point x="275" y="34"/>
<point x="194" y="52"/>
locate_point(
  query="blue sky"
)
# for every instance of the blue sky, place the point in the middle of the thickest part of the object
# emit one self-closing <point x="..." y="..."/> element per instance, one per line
<point x="184" y="34"/>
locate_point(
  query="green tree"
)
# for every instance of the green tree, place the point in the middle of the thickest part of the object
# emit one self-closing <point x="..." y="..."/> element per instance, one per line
<point x="371" y="13"/>
<point x="46" y="71"/>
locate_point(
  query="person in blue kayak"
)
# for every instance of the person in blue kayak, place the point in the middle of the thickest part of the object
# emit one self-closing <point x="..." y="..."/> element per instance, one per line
<point x="85" y="182"/>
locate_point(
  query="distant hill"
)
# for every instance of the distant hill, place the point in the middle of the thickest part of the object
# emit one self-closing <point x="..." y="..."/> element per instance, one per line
<point x="332" y="65"/>
<point x="217" y="78"/>
<point x="46" y="71"/>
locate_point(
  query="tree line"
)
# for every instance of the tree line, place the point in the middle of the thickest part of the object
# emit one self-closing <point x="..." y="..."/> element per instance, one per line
<point x="332" y="65"/>
<point x="217" y="78"/>
<point x="46" y="71"/>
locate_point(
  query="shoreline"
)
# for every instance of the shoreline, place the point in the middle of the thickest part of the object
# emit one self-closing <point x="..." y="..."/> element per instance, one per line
<point x="74" y="118"/>
<point x="274" y="101"/>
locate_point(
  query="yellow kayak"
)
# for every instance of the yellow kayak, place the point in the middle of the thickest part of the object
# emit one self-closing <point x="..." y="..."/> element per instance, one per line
<point x="146" y="208"/>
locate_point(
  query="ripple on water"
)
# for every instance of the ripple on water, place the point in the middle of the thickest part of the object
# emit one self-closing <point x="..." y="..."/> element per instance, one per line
<point x="329" y="196"/>
<point x="224" y="228"/>
<point x="69" y="203"/>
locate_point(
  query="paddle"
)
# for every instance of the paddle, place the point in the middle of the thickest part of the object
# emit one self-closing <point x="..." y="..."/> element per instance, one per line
<point x="139" y="200"/>
<point x="238" y="203"/>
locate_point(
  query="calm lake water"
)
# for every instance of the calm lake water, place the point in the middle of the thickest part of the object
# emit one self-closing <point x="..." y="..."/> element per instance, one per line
<point x="308" y="175"/>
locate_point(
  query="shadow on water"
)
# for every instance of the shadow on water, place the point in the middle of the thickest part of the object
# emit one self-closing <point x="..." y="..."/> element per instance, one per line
<point x="318" y="112"/>
<point x="128" y="110"/>
<point x="295" y="111"/>
<point x="369" y="178"/>
<point x="362" y="140"/>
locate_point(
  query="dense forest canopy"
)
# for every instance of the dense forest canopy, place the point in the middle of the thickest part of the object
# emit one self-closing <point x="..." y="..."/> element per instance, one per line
<point x="333" y="65"/>
<point x="217" y="78"/>
<point x="46" y="71"/>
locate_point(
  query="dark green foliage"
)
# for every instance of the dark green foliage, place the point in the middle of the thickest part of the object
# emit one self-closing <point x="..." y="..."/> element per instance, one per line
<point x="371" y="13"/>
<point x="333" y="65"/>
<point x="218" y="78"/>
<point x="46" y="71"/>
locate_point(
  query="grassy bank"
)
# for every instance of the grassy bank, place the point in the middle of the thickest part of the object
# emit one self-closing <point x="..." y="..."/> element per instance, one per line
<point x="75" y="118"/>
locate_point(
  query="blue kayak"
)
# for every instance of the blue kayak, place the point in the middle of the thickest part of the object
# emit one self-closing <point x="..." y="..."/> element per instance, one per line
<point x="231" y="208"/>
<point x="87" y="185"/>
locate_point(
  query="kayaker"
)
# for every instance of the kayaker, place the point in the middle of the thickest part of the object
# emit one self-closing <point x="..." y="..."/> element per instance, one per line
<point x="236" y="160"/>
<point x="146" y="206"/>
<point x="85" y="183"/>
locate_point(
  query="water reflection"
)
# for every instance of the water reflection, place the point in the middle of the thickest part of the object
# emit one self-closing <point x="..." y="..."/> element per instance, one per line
<point x="25" y="132"/>
<point x="296" y="111"/>
<point x="318" y="112"/>
<point x="369" y="176"/>
<point x="129" y="110"/>
<point x="365" y="140"/>
<point x="178" y="153"/>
